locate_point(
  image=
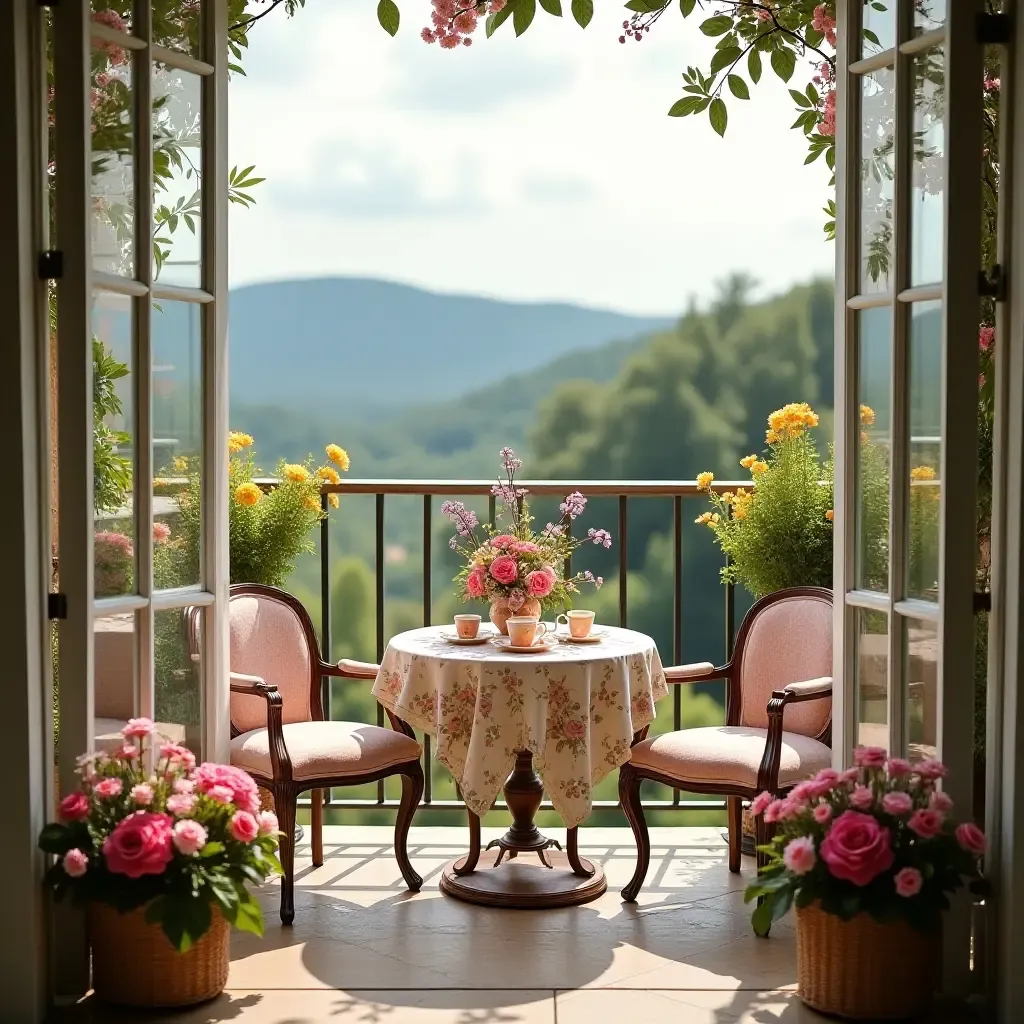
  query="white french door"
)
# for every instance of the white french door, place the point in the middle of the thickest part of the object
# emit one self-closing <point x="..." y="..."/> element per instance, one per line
<point x="138" y="144"/>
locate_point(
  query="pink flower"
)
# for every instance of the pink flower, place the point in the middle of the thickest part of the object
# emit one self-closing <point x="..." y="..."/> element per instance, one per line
<point x="502" y="541"/>
<point x="221" y="794"/>
<point x="138" y="728"/>
<point x="760" y="803"/>
<point x="897" y="803"/>
<point x="897" y="767"/>
<point x="183" y="786"/>
<point x="574" y="729"/>
<point x="268" y="823"/>
<point x="862" y="798"/>
<point x="869" y="757"/>
<point x="526" y="547"/>
<point x="799" y="855"/>
<point x="475" y="585"/>
<point x="971" y="838"/>
<point x="850" y="775"/>
<point x="505" y="569"/>
<point x="857" y="848"/>
<point x="773" y="812"/>
<point x="139" y="845"/>
<point x="246" y="796"/>
<point x="427" y="35"/>
<point x="126" y="752"/>
<point x="926" y="823"/>
<point x="826" y="780"/>
<point x="823" y="814"/>
<point x="244" y="827"/>
<point x="986" y="338"/>
<point x="181" y="804"/>
<point x="178" y="755"/>
<point x="161" y="532"/>
<point x="74" y="807"/>
<point x="189" y="837"/>
<point x="940" y="801"/>
<point x="75" y="863"/>
<point x="142" y="794"/>
<point x="538" y="583"/>
<point x="930" y="770"/>
<point x="908" y="882"/>
<point x="803" y="791"/>
<point x="108" y="788"/>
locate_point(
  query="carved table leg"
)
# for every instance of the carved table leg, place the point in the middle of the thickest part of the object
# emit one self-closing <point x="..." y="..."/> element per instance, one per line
<point x="467" y="865"/>
<point x="524" y="792"/>
<point x="573" y="853"/>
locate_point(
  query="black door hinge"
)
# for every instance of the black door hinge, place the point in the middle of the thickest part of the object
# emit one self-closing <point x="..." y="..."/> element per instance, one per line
<point x="992" y="29"/>
<point x="993" y="286"/>
<point x="57" y="606"/>
<point x="51" y="265"/>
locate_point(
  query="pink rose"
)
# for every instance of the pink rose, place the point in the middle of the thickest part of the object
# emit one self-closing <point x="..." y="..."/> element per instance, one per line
<point x="926" y="823"/>
<point x="941" y="802"/>
<point x="268" y="823"/>
<point x="505" y="569"/>
<point x="971" y="838"/>
<point x="527" y="547"/>
<point x="244" y="827"/>
<point x="108" y="788"/>
<point x="897" y="803"/>
<point x="222" y="794"/>
<point x="138" y="728"/>
<point x="857" y="848"/>
<point x="823" y="814"/>
<point x="897" y="767"/>
<point x="932" y="770"/>
<point x="538" y="583"/>
<point x="908" y="882"/>
<point x="74" y="807"/>
<point x="139" y="845"/>
<point x="245" y="797"/>
<point x="760" y="803"/>
<point x="142" y="794"/>
<point x="475" y="585"/>
<point x="862" y="798"/>
<point x="181" y="804"/>
<point x="869" y="757"/>
<point x="189" y="837"/>
<point x="799" y="855"/>
<point x="502" y="541"/>
<point x="574" y="729"/>
<point x="75" y="863"/>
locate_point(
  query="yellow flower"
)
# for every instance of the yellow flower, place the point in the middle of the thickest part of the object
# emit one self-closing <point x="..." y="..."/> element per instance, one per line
<point x="863" y="437"/>
<point x="727" y="497"/>
<point x="791" y="421"/>
<point x="334" y="500"/>
<point x="758" y="467"/>
<point x="922" y="473"/>
<point x="159" y="481"/>
<point x="830" y="515"/>
<point x="703" y="519"/>
<point x="179" y="464"/>
<point x="704" y="481"/>
<point x="311" y="503"/>
<point x="329" y="473"/>
<point x="338" y="456"/>
<point x="749" y="461"/>
<point x="741" y="502"/>
<point x="297" y="474"/>
<point x="867" y="415"/>
<point x="237" y="441"/>
<point x="771" y="437"/>
<point x="248" y="494"/>
<point x="715" y="518"/>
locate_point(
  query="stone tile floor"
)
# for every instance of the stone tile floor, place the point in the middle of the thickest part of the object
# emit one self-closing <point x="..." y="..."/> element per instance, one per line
<point x="363" y="950"/>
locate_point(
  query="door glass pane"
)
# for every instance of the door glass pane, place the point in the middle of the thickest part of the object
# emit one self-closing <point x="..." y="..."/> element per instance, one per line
<point x="879" y="26"/>
<point x="873" y="389"/>
<point x="921" y="662"/>
<point x="178" y="677"/>
<point x="114" y="15"/>
<point x="926" y="216"/>
<point x="114" y="700"/>
<point x="177" y="166"/>
<point x="177" y="26"/>
<point x="114" y="540"/>
<point x="177" y="443"/>
<point x="925" y="382"/>
<point x="872" y="632"/>
<point x="877" y="169"/>
<point x="928" y="15"/>
<point x="113" y="176"/>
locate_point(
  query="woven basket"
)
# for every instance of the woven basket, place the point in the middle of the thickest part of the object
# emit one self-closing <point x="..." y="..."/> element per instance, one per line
<point x="864" y="970"/>
<point x="133" y="963"/>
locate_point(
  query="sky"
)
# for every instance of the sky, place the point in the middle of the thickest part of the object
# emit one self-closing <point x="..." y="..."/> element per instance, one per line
<point x="542" y="167"/>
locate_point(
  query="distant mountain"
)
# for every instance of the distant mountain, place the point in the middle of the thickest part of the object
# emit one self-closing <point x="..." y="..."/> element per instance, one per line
<point x="358" y="342"/>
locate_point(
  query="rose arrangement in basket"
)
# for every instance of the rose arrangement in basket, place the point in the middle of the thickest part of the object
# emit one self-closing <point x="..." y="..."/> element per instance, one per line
<point x="182" y="840"/>
<point x="878" y="838"/>
<point x="509" y="560"/>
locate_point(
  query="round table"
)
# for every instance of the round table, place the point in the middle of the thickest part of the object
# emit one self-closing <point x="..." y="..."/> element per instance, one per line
<point x="502" y="721"/>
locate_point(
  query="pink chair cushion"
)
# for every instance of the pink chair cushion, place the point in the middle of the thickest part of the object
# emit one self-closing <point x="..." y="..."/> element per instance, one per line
<point x="322" y="749"/>
<point x="267" y="641"/>
<point x="728" y="755"/>
<point x="790" y="641"/>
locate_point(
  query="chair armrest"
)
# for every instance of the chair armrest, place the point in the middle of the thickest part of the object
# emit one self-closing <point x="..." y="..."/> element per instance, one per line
<point x="347" y="669"/>
<point x="794" y="693"/>
<point x="698" y="672"/>
<point x="254" y="686"/>
<point x="809" y="689"/>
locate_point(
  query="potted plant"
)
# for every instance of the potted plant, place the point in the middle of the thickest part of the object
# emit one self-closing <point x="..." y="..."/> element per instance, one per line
<point x="162" y="861"/>
<point x="869" y="857"/>
<point x="516" y="569"/>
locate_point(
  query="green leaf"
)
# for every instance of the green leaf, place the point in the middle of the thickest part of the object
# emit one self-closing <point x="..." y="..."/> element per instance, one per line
<point x="784" y="63"/>
<point x="799" y="98"/>
<point x="388" y="15"/>
<point x="522" y="16"/>
<point x="553" y="7"/>
<point x="719" y="115"/>
<point x="738" y="87"/>
<point x="687" y="6"/>
<point x="724" y="57"/>
<point x="249" y="917"/>
<point x="761" y="919"/>
<point x="495" y="21"/>
<point x="687" y="105"/>
<point x="583" y="11"/>
<point x="716" y="26"/>
<point x="55" y="838"/>
<point x="754" y="66"/>
<point x="211" y="849"/>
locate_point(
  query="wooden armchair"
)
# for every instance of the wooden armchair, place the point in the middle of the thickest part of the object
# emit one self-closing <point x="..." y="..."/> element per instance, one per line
<point x="280" y="737"/>
<point x="778" y="720"/>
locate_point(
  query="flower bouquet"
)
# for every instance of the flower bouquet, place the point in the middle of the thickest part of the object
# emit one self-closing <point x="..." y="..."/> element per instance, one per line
<point x="870" y="857"/>
<point x="162" y="859"/>
<point x="519" y="571"/>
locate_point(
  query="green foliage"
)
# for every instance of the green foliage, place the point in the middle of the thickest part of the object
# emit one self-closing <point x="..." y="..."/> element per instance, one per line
<point x="112" y="471"/>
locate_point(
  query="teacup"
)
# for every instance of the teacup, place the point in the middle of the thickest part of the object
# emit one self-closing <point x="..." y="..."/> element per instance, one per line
<point x="525" y="630"/>
<point x="467" y="626"/>
<point x="580" y="623"/>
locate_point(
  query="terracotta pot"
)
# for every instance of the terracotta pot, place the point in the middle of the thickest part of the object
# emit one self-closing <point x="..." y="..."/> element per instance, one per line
<point x="500" y="612"/>
<point x="863" y="970"/>
<point x="134" y="964"/>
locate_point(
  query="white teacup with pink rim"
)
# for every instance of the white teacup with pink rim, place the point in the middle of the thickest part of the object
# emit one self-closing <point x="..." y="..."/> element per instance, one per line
<point x="525" y="630"/>
<point x="580" y="623"/>
<point x="467" y="626"/>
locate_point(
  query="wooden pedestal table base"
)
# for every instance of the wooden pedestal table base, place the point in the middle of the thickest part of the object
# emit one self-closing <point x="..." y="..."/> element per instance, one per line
<point x="503" y="878"/>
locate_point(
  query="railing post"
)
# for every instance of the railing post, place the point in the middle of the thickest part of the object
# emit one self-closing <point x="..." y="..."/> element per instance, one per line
<point x="325" y="596"/>
<point x="379" y="604"/>
<point x="427" y="610"/>
<point x="623" y="562"/>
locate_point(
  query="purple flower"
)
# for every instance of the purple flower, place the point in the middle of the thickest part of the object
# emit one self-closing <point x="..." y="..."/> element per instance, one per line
<point x="453" y="543"/>
<point x="464" y="518"/>
<point x="553" y="530"/>
<point x="573" y="505"/>
<point x="589" y="577"/>
<point x="600" y="537"/>
<point x="510" y="460"/>
<point x="509" y="495"/>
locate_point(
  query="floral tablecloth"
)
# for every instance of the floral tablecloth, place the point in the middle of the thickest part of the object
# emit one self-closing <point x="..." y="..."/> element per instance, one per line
<point x="575" y="707"/>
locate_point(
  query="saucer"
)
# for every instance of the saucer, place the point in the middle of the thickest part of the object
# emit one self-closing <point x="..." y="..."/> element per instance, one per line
<point x="505" y="644"/>
<point x="592" y="638"/>
<point x="472" y="641"/>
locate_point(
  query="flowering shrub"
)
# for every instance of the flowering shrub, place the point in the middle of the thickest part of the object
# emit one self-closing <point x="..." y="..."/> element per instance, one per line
<point x="514" y="562"/>
<point x="183" y="841"/>
<point x="877" y="839"/>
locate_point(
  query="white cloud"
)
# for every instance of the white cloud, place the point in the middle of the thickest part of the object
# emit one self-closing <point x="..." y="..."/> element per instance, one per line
<point x="539" y="167"/>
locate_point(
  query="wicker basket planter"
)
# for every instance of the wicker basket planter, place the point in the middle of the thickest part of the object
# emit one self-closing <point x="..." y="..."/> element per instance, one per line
<point x="133" y="964"/>
<point x="863" y="970"/>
